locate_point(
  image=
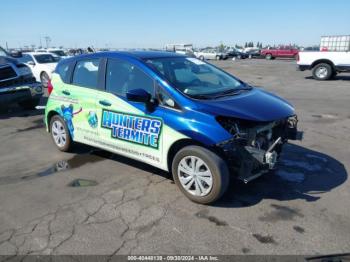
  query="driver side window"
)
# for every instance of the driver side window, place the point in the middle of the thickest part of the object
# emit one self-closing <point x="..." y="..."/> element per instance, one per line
<point x="122" y="76"/>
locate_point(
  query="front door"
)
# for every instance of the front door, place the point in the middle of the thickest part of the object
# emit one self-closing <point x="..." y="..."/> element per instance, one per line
<point x="129" y="128"/>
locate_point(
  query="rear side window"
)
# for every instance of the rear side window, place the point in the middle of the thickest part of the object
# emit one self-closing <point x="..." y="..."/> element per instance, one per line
<point x="122" y="76"/>
<point x="62" y="71"/>
<point x="86" y="73"/>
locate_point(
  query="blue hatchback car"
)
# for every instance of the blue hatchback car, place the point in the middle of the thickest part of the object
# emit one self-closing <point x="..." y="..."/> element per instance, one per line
<point x="174" y="112"/>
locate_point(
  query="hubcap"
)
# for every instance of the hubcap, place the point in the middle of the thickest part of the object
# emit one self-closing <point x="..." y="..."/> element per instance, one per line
<point x="59" y="133"/>
<point x="321" y="72"/>
<point x="195" y="176"/>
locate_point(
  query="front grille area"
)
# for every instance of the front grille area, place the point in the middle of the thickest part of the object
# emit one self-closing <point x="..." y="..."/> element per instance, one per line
<point x="22" y="80"/>
<point x="7" y="72"/>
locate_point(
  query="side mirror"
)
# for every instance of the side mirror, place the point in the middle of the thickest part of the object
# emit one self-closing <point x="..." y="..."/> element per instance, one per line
<point x="138" y="95"/>
<point x="31" y="63"/>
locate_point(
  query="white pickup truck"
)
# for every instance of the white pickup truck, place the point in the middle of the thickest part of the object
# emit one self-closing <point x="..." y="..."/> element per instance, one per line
<point x="324" y="64"/>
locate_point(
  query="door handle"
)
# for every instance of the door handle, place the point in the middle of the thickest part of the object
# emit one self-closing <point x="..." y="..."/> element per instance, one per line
<point x="65" y="92"/>
<point x="105" y="103"/>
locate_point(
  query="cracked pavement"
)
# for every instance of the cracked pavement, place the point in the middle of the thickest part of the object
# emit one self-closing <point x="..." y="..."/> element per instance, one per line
<point x="303" y="208"/>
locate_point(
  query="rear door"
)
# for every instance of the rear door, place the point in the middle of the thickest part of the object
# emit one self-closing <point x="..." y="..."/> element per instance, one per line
<point x="129" y="128"/>
<point x="79" y="108"/>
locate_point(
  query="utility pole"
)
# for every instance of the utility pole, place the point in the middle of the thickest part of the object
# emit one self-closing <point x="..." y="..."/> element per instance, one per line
<point x="7" y="48"/>
<point x="48" y="40"/>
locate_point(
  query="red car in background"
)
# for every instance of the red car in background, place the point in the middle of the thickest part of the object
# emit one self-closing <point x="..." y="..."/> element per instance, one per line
<point x="282" y="51"/>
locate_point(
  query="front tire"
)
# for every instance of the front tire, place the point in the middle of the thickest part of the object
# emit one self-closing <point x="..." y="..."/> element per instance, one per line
<point x="218" y="57"/>
<point x="334" y="74"/>
<point x="29" y="104"/>
<point x="322" y="71"/>
<point x="200" y="174"/>
<point x="60" y="134"/>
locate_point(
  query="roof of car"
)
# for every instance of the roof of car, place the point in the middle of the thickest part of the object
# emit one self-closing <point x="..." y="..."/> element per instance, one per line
<point x="154" y="54"/>
<point x="118" y="54"/>
<point x="37" y="53"/>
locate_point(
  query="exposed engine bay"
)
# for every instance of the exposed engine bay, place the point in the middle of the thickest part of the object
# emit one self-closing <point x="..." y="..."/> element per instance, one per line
<point x="256" y="146"/>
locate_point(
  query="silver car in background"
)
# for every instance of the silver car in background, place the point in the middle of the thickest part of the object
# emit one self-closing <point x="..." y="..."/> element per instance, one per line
<point x="210" y="54"/>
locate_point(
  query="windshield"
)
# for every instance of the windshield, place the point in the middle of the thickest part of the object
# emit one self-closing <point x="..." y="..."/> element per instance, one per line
<point x="58" y="52"/>
<point x="44" y="59"/>
<point x="196" y="78"/>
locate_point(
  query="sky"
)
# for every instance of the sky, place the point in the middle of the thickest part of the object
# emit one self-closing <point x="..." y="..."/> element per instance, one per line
<point x="155" y="23"/>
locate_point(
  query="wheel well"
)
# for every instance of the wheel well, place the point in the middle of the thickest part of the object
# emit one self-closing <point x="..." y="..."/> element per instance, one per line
<point x="48" y="119"/>
<point x="42" y="72"/>
<point x="178" y="145"/>
<point x="326" y="61"/>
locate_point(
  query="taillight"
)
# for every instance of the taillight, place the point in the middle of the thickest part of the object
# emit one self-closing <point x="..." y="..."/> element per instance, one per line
<point x="49" y="87"/>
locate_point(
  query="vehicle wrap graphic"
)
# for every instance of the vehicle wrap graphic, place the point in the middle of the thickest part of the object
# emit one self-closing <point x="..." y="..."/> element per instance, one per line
<point x="92" y="119"/>
<point x="82" y="122"/>
<point x="67" y="113"/>
<point x="133" y="128"/>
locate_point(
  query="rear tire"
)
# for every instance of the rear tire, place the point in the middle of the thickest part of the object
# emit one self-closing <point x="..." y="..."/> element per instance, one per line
<point x="60" y="134"/>
<point x="322" y="71"/>
<point x="204" y="173"/>
<point x="29" y="104"/>
<point x="268" y="56"/>
<point x="201" y="58"/>
<point x="218" y="57"/>
<point x="334" y="74"/>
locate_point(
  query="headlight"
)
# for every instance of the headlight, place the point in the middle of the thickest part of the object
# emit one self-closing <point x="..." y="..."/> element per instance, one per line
<point x="292" y="121"/>
<point x="232" y="126"/>
<point x="24" y="70"/>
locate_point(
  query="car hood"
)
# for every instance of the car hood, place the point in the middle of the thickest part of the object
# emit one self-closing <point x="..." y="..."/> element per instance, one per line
<point x="254" y="105"/>
<point x="50" y="67"/>
<point x="6" y="60"/>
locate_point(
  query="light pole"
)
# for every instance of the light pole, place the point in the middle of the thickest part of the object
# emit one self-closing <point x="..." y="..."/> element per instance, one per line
<point x="48" y="40"/>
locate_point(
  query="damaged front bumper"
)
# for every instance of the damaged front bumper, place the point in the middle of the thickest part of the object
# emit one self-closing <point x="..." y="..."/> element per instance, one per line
<point x="253" y="151"/>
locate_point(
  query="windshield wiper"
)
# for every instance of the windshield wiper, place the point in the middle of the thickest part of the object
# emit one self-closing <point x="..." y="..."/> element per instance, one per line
<point x="230" y="92"/>
<point x="202" y="96"/>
